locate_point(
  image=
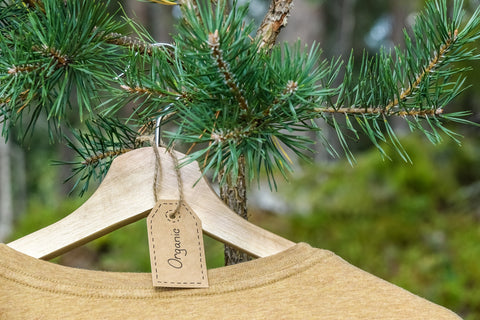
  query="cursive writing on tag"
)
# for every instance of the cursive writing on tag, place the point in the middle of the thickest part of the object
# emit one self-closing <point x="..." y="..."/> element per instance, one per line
<point x="176" y="246"/>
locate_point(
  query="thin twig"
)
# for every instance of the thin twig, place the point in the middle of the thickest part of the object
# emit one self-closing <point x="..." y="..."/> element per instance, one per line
<point x="101" y="156"/>
<point x="393" y="107"/>
<point x="359" y="110"/>
<point x="434" y="62"/>
<point x="224" y="68"/>
<point x="130" y="42"/>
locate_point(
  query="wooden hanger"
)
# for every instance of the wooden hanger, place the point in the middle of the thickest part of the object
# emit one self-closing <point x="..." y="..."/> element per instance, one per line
<point x="126" y="195"/>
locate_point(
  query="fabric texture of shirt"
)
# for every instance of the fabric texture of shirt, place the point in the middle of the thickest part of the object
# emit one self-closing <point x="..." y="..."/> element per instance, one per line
<point x="299" y="283"/>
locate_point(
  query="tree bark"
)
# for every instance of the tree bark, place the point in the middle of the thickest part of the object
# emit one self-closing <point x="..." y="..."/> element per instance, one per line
<point x="275" y="20"/>
<point x="234" y="194"/>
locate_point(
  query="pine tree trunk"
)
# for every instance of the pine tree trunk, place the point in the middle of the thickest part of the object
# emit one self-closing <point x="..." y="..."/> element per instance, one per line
<point x="234" y="194"/>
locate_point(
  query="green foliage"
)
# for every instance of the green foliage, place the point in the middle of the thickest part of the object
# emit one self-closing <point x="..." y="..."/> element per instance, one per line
<point x="39" y="215"/>
<point x="10" y="14"/>
<point x="429" y="183"/>
<point x="224" y="93"/>
<point x="57" y="57"/>
<point x="234" y="100"/>
<point x="416" y="83"/>
<point x="228" y="99"/>
<point x="239" y="101"/>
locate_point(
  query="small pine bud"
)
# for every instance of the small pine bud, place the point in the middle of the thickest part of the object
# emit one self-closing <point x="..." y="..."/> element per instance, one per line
<point x="292" y="86"/>
<point x="213" y="40"/>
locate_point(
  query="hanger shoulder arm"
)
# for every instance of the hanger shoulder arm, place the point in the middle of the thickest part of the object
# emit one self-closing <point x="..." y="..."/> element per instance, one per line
<point x="221" y="223"/>
<point x="124" y="196"/>
<point x="127" y="194"/>
<point x="250" y="238"/>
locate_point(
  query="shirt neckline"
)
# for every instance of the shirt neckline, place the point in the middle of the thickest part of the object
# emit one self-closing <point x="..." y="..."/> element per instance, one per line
<point x="48" y="276"/>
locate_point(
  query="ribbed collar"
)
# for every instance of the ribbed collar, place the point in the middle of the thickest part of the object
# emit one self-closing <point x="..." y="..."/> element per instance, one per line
<point x="48" y="276"/>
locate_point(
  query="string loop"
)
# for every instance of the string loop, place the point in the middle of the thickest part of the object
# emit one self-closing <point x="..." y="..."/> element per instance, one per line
<point x="156" y="142"/>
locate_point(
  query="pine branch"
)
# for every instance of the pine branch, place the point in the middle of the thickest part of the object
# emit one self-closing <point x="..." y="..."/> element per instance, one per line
<point x="104" y="140"/>
<point x="392" y="108"/>
<point x="134" y="44"/>
<point x="434" y="63"/>
<point x="223" y="93"/>
<point x="150" y="83"/>
<point x="37" y="56"/>
<point x="381" y="111"/>
<point x="218" y="48"/>
<point x="416" y="83"/>
<point x="209" y="116"/>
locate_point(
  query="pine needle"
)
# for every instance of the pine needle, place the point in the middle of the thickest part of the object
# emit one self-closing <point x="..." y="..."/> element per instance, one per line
<point x="165" y="2"/>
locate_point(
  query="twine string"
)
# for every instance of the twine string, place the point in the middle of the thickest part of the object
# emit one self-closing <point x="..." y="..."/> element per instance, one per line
<point x="158" y="170"/>
<point x="158" y="176"/>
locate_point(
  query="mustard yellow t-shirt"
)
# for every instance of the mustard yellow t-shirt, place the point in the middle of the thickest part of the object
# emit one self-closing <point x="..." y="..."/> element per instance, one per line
<point x="299" y="283"/>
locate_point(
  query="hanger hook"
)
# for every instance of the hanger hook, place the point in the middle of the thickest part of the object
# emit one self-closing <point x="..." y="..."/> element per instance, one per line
<point x="164" y="44"/>
<point x="158" y="131"/>
<point x="157" y="44"/>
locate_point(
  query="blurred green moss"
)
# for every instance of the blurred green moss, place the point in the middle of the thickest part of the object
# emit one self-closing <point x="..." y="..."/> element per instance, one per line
<point x="414" y="224"/>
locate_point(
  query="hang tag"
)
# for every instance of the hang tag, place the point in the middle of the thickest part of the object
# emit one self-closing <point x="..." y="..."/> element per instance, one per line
<point x="177" y="254"/>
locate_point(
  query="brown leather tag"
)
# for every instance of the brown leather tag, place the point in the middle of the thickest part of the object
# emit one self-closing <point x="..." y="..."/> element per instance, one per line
<point x="177" y="253"/>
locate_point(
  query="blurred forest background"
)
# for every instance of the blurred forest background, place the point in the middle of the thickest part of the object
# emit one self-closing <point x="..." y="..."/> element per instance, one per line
<point x="416" y="225"/>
